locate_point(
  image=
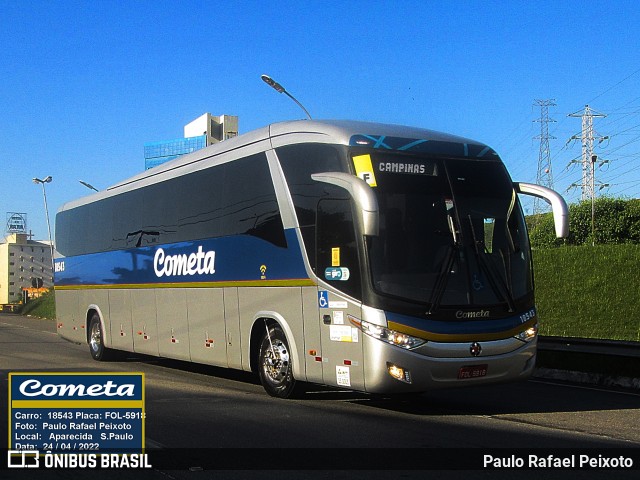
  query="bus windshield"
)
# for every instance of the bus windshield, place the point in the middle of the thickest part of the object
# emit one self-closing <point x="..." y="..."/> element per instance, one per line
<point x="452" y="233"/>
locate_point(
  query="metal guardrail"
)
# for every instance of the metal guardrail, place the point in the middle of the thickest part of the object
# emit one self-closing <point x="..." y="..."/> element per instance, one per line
<point x="590" y="345"/>
<point x="604" y="363"/>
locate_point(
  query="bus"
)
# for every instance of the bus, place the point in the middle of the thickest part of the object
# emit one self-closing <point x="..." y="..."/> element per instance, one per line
<point x="371" y="257"/>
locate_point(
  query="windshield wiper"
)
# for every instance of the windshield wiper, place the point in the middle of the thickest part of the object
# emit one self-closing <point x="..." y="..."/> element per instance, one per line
<point x="502" y="291"/>
<point x="447" y="266"/>
<point x="506" y="262"/>
<point x="441" y="281"/>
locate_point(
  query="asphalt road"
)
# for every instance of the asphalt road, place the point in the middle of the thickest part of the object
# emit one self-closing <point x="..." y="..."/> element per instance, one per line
<point x="194" y="406"/>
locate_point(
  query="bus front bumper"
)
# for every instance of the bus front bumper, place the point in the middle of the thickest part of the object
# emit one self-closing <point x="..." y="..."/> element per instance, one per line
<point x="445" y="365"/>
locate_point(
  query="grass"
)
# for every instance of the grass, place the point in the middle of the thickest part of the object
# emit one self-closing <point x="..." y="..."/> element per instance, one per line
<point x="589" y="292"/>
<point x="43" y="307"/>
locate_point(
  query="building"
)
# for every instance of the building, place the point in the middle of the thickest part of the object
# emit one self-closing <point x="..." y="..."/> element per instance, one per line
<point x="156" y="153"/>
<point x="205" y="130"/>
<point x="24" y="264"/>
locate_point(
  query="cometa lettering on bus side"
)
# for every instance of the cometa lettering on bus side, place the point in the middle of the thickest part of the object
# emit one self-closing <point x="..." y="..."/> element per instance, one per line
<point x="199" y="262"/>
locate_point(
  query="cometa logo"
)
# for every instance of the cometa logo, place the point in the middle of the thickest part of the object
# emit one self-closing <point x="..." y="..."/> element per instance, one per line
<point x="478" y="314"/>
<point x="199" y="262"/>
<point x="33" y="388"/>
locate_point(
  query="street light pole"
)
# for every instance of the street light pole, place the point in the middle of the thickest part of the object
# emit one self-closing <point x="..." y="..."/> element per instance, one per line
<point x="89" y="186"/>
<point x="280" y="89"/>
<point x="47" y="179"/>
<point x="593" y="200"/>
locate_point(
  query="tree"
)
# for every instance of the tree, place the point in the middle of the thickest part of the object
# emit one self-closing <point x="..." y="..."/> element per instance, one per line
<point x="616" y="221"/>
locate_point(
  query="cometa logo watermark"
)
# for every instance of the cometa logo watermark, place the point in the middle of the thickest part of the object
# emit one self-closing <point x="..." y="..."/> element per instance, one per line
<point x="34" y="388"/>
<point x="74" y="413"/>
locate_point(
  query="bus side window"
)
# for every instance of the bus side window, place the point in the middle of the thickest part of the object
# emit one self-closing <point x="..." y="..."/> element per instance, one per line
<point x="298" y="162"/>
<point x="337" y="252"/>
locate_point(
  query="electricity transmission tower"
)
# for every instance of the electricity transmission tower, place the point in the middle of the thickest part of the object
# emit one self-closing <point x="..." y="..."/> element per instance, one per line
<point x="545" y="174"/>
<point x="588" y="159"/>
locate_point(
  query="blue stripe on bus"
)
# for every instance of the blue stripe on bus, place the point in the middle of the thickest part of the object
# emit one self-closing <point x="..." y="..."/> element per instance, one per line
<point x="226" y="259"/>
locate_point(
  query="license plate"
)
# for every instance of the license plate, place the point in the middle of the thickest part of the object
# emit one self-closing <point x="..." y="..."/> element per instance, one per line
<point x="472" y="371"/>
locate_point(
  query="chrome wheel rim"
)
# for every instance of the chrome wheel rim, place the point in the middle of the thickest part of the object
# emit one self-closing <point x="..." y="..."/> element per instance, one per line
<point x="276" y="362"/>
<point x="95" y="339"/>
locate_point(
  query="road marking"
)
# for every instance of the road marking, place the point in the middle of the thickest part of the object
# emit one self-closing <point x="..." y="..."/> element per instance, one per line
<point x="582" y="387"/>
<point x="24" y="327"/>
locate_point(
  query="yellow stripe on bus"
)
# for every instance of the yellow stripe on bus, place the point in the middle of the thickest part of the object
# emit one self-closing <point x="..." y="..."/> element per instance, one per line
<point x="239" y="283"/>
<point x="461" y="337"/>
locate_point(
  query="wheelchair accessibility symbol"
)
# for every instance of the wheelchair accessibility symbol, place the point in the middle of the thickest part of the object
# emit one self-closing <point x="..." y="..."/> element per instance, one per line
<point x="323" y="299"/>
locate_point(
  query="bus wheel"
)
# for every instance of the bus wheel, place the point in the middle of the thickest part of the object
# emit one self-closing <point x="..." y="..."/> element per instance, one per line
<point x="96" y="340"/>
<point x="274" y="367"/>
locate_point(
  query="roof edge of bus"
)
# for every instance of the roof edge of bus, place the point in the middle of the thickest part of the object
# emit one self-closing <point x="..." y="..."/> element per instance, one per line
<point x="281" y="133"/>
<point x="344" y="130"/>
<point x="338" y="131"/>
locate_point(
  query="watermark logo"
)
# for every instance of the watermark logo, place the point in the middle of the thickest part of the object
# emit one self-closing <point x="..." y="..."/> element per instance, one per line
<point x="23" y="459"/>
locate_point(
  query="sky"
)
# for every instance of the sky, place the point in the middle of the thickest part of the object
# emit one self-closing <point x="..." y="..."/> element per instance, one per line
<point x="84" y="84"/>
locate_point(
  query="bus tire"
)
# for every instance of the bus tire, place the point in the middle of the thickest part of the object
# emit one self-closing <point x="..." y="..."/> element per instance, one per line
<point x="274" y="364"/>
<point x="96" y="340"/>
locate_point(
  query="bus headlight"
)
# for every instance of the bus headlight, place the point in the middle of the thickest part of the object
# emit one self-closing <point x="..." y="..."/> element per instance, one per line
<point x="528" y="334"/>
<point x="387" y="335"/>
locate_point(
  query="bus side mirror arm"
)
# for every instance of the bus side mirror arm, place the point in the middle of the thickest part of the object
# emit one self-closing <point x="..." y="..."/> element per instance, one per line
<point x="361" y="193"/>
<point x="558" y="205"/>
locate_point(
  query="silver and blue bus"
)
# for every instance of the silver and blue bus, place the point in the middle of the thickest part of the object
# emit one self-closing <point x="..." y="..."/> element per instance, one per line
<point x="378" y="258"/>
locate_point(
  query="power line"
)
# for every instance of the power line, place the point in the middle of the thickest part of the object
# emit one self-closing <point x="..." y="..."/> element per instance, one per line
<point x="614" y="86"/>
